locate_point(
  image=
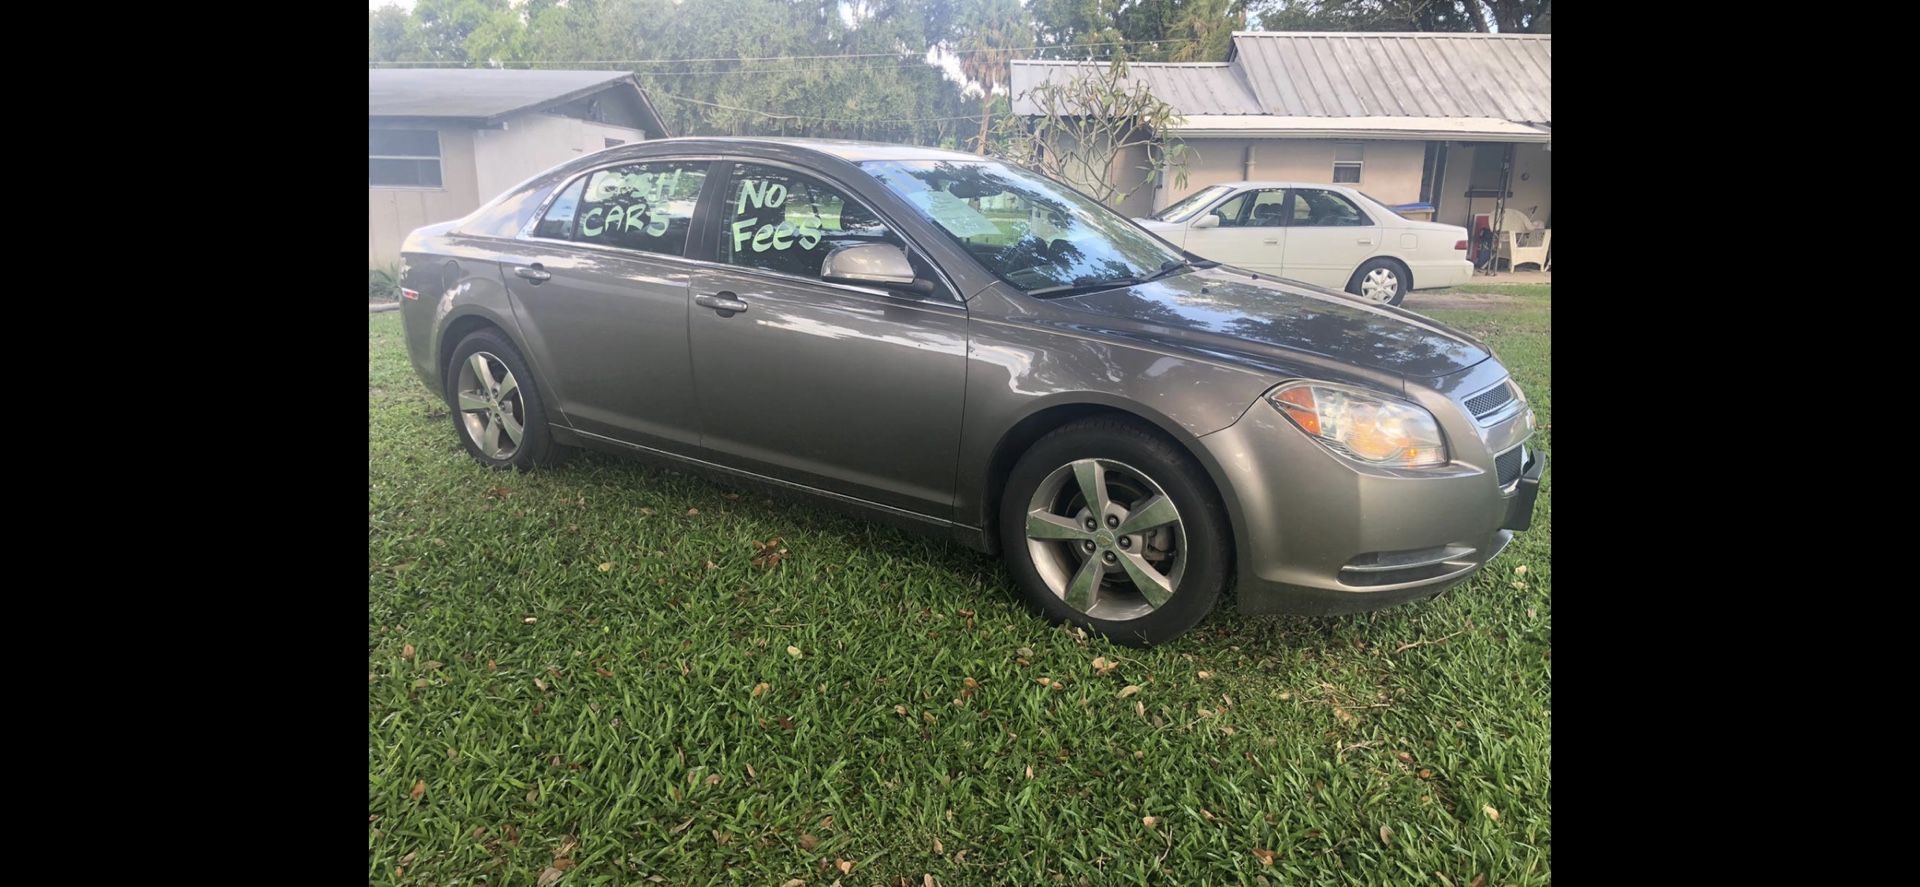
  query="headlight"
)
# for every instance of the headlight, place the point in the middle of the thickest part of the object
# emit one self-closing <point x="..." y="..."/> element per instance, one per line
<point x="1361" y="426"/>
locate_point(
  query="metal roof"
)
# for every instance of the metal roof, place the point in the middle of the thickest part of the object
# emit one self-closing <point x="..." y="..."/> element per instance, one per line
<point x="486" y="95"/>
<point x="1191" y="88"/>
<point x="1334" y="74"/>
<point x="1349" y="84"/>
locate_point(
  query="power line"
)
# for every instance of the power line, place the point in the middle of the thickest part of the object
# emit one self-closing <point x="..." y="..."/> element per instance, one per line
<point x="854" y="69"/>
<point x="784" y="58"/>
<point x="681" y="98"/>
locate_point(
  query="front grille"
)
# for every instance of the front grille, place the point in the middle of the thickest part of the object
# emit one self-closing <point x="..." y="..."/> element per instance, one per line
<point x="1507" y="465"/>
<point x="1491" y="399"/>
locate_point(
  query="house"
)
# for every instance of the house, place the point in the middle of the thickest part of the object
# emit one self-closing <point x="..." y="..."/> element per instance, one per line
<point x="1453" y="121"/>
<point x="442" y="142"/>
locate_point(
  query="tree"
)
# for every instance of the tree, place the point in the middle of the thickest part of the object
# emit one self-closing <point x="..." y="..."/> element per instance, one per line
<point x="445" y="26"/>
<point x="1202" y="30"/>
<point x="832" y="68"/>
<point x="1088" y="126"/>
<point x="1507" y="16"/>
<point x="990" y="32"/>
<point x="1149" y="30"/>
<point x="393" y="37"/>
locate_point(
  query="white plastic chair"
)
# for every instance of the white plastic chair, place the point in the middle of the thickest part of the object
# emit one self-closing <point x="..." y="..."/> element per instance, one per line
<point x="1523" y="241"/>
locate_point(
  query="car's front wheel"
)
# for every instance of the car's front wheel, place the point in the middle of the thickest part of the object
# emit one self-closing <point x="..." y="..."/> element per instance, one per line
<point x="495" y="407"/>
<point x="1380" y="280"/>
<point x="1110" y="526"/>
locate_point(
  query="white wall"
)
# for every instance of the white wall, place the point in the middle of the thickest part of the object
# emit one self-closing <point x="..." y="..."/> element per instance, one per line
<point x="475" y="167"/>
<point x="533" y="142"/>
<point x="1389" y="171"/>
<point x="393" y="212"/>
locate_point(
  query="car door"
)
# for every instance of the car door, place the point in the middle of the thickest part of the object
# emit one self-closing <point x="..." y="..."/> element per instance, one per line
<point x="1328" y="236"/>
<point x="852" y="389"/>
<point x="1251" y="233"/>
<point x="601" y="289"/>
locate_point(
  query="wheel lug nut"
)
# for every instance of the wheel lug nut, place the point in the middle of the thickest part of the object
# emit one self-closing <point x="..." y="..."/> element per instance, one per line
<point x="1089" y="546"/>
<point x="1112" y="521"/>
<point x="1125" y="542"/>
<point x="1110" y="558"/>
<point x="1092" y="524"/>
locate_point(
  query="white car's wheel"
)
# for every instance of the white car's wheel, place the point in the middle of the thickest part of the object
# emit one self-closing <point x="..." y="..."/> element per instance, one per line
<point x="1381" y="280"/>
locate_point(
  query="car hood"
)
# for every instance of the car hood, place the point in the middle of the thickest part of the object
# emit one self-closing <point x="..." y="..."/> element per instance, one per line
<point x="1229" y="309"/>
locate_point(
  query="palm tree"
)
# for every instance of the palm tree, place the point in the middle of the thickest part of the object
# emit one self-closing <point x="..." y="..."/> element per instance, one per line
<point x="991" y="32"/>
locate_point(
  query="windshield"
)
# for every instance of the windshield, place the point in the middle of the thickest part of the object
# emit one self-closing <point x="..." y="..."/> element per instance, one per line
<point x="1030" y="231"/>
<point x="1190" y="207"/>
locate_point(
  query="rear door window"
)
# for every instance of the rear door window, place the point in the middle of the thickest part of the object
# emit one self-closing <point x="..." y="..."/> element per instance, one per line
<point x="1317" y="208"/>
<point x="640" y="206"/>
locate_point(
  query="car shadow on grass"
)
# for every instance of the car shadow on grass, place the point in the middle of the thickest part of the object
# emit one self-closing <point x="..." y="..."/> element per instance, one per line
<point x="779" y="512"/>
<point x="809" y="516"/>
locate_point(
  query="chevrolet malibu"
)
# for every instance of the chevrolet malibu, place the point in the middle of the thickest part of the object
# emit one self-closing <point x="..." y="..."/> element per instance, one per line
<point x="1326" y="235"/>
<point x="964" y="346"/>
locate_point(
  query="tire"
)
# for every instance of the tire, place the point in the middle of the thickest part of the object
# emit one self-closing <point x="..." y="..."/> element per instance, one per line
<point x="1193" y="554"/>
<point x="1375" y="276"/>
<point x="513" y="396"/>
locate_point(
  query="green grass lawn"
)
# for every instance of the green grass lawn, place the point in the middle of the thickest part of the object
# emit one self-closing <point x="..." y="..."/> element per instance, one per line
<point x="1525" y="290"/>
<point x="586" y="674"/>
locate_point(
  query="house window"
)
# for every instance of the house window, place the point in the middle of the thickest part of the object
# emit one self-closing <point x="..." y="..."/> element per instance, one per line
<point x="1347" y="161"/>
<point x="403" y="158"/>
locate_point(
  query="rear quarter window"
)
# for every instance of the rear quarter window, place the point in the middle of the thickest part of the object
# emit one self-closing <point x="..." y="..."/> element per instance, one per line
<point x="646" y="207"/>
<point x="506" y="218"/>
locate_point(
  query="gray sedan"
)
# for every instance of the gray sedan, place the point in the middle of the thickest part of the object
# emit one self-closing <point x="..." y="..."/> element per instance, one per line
<point x="956" y="344"/>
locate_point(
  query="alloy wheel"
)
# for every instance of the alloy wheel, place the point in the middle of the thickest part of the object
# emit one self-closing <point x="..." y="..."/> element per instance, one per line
<point x="491" y="408"/>
<point x="1106" y="539"/>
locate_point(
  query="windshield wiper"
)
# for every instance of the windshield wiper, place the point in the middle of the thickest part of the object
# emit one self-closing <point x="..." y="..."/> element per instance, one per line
<point x="1086" y="286"/>
<point x="1169" y="267"/>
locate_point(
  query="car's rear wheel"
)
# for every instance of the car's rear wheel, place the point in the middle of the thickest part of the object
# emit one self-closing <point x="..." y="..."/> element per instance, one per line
<point x="1110" y="526"/>
<point x="1381" y="280"/>
<point x="495" y="407"/>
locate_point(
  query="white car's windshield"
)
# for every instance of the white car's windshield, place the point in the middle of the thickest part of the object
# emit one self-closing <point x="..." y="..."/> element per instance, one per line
<point x="1030" y="231"/>
<point x="1190" y="206"/>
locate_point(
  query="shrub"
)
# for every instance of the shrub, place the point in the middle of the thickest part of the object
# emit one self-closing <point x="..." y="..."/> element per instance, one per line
<point x="383" y="284"/>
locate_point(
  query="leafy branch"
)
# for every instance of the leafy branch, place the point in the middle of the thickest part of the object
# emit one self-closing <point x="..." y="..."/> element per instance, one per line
<point x="1099" y="130"/>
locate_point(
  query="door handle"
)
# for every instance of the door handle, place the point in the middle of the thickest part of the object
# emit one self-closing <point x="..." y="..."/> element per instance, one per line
<point x="723" y="303"/>
<point x="1368" y="241"/>
<point x="536" y="274"/>
<point x="1271" y="241"/>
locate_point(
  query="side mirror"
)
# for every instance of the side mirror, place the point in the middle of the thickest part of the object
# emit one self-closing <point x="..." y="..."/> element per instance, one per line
<point x="1210" y="220"/>
<point x="880" y="263"/>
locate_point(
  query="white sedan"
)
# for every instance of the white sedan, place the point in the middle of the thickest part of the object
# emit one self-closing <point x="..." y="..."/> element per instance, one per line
<point x="1327" y="235"/>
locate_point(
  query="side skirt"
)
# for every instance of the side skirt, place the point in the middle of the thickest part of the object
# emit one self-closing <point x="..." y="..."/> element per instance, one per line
<point x="972" y="537"/>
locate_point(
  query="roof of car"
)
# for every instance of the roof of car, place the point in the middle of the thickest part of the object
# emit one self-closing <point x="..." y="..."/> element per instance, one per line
<point x="844" y="149"/>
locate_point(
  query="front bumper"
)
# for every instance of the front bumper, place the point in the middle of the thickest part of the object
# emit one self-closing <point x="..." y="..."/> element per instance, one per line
<point x="1318" y="535"/>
